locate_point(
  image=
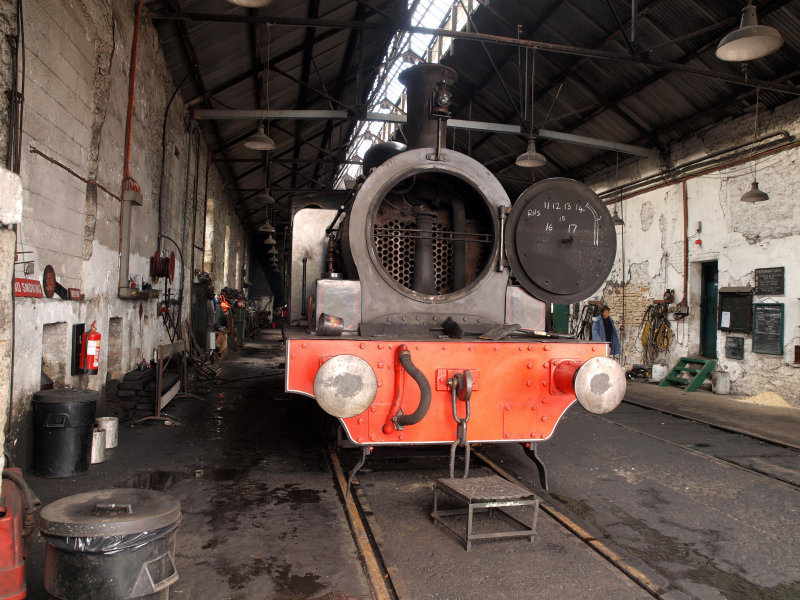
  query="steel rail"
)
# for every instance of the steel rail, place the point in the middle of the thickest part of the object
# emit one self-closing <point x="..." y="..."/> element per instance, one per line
<point x="711" y="457"/>
<point x="378" y="578"/>
<point x="717" y="426"/>
<point x="627" y="569"/>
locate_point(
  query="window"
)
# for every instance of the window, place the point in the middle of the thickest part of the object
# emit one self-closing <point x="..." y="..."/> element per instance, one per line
<point x="208" y="238"/>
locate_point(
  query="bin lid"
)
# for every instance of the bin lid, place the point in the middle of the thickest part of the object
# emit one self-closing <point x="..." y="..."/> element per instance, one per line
<point x="65" y="396"/>
<point x="119" y="511"/>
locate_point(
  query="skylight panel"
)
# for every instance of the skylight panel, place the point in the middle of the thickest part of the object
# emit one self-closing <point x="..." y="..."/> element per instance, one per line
<point x="405" y="50"/>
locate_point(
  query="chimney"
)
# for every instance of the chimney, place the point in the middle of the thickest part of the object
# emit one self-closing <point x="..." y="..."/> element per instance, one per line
<point x="422" y="81"/>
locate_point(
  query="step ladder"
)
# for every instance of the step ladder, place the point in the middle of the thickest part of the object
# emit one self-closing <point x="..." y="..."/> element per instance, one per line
<point x="698" y="370"/>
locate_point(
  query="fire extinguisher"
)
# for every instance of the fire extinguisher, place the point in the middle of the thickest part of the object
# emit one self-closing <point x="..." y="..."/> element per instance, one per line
<point x="90" y="351"/>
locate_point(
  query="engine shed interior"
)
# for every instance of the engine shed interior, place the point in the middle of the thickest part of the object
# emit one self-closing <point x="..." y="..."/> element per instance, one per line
<point x="309" y="279"/>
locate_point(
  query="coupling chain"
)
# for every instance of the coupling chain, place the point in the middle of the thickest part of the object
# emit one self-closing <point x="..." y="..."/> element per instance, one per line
<point x="460" y="389"/>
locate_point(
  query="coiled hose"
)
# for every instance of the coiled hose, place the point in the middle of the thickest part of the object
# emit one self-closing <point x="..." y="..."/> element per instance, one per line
<point x="32" y="502"/>
<point x="424" y="390"/>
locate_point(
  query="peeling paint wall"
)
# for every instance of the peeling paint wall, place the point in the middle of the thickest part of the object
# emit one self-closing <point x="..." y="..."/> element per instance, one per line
<point x="740" y="236"/>
<point x="76" y="97"/>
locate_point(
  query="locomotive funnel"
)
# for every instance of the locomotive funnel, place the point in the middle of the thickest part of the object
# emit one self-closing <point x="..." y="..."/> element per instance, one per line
<point x="422" y="81"/>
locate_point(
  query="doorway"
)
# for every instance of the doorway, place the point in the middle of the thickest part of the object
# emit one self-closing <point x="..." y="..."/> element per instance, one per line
<point x="560" y="318"/>
<point x="708" y="310"/>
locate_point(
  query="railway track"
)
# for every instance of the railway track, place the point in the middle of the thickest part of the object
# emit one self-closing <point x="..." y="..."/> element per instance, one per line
<point x="356" y="506"/>
<point x="772" y="459"/>
<point x="718" y="447"/>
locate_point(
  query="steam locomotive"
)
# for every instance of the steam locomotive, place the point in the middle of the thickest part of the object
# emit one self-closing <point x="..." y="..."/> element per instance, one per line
<point x="425" y="296"/>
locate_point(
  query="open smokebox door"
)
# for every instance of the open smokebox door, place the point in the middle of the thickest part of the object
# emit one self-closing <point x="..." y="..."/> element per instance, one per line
<point x="560" y="241"/>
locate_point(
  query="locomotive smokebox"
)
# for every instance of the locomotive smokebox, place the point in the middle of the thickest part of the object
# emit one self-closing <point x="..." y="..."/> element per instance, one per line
<point x="432" y="235"/>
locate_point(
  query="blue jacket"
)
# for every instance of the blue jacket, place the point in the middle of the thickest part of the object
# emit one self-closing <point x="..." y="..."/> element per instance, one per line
<point x="599" y="334"/>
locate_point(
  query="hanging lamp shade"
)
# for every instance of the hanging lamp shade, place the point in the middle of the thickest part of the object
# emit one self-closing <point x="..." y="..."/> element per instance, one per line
<point x="273" y="251"/>
<point x="270" y="240"/>
<point x="531" y="159"/>
<point x="259" y="140"/>
<point x="750" y="41"/>
<point x="251" y="3"/>
<point x="267" y="198"/>
<point x="617" y="220"/>
<point x="266" y="227"/>
<point x="754" y="194"/>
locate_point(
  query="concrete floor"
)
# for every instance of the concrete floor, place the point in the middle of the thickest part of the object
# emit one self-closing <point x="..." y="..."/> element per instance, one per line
<point x="262" y="517"/>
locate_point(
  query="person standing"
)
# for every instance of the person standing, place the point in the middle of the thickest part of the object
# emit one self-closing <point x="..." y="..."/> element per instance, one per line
<point x="604" y="330"/>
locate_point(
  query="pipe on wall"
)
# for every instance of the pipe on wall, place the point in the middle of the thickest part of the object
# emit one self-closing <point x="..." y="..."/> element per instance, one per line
<point x="685" y="300"/>
<point x="127" y="181"/>
<point x="697" y="168"/>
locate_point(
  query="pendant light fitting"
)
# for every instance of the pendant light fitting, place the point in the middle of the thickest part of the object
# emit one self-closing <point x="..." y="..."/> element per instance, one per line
<point x="754" y="194"/>
<point x="251" y="3"/>
<point x="260" y="140"/>
<point x="751" y="40"/>
<point x="530" y="159"/>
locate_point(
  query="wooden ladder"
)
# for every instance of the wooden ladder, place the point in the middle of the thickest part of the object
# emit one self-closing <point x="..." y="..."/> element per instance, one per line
<point x="698" y="369"/>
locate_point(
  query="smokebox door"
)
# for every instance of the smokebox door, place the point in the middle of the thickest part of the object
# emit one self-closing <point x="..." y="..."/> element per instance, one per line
<point x="560" y="241"/>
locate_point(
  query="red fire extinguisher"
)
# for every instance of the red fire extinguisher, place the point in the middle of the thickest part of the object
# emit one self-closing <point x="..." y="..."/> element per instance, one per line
<point x="90" y="351"/>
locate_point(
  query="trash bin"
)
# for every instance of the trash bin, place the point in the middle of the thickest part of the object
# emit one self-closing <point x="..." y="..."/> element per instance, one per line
<point x="111" y="426"/>
<point x="721" y="382"/>
<point x="63" y="420"/>
<point x="659" y="372"/>
<point x="111" y="544"/>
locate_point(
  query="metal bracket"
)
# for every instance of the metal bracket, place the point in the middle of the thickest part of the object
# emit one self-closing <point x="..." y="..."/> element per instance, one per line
<point x="397" y="425"/>
<point x="434" y="157"/>
<point x="365" y="451"/>
<point x="531" y="451"/>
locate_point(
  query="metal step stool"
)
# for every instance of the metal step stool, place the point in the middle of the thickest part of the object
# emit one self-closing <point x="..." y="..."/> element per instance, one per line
<point x="484" y="494"/>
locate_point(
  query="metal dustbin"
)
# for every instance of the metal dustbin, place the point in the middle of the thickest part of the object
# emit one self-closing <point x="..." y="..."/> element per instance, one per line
<point x="111" y="544"/>
<point x="63" y="420"/>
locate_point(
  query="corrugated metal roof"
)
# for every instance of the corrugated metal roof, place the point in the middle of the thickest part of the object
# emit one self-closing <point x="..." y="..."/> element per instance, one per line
<point x="314" y="66"/>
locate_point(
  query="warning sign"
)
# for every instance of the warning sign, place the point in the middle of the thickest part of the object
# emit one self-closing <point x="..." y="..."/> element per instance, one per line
<point x="28" y="288"/>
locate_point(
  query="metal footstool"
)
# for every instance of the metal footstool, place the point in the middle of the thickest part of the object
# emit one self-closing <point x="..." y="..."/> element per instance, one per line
<point x="484" y="494"/>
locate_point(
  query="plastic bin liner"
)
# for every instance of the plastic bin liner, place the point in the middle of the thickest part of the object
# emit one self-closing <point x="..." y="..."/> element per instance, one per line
<point x="109" y="544"/>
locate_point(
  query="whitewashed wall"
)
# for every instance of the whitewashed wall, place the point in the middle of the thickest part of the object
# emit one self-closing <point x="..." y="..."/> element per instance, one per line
<point x="742" y="237"/>
<point x="76" y="96"/>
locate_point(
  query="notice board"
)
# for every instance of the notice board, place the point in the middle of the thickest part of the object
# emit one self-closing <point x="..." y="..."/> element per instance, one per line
<point x="768" y="328"/>
<point x="735" y="312"/>
<point x="769" y="282"/>
<point x="734" y="348"/>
